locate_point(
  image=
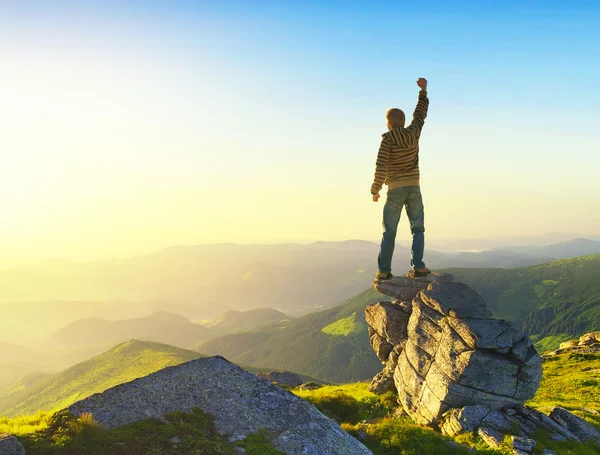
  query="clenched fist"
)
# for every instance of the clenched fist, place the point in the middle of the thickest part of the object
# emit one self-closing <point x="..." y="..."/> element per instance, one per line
<point x="422" y="83"/>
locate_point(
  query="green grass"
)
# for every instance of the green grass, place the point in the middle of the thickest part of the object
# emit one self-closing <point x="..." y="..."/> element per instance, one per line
<point x="123" y="363"/>
<point x="303" y="346"/>
<point x="370" y="418"/>
<point x="571" y="381"/>
<point x="552" y="342"/>
<point x="25" y="425"/>
<point x="552" y="299"/>
<point x="342" y="327"/>
<point x="64" y="434"/>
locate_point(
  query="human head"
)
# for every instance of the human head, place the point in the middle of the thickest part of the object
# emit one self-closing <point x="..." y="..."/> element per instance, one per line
<point x="395" y="118"/>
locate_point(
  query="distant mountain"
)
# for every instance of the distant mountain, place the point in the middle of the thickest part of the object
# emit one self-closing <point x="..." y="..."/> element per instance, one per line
<point x="123" y="363"/>
<point x="241" y="321"/>
<point x="201" y="282"/>
<point x="559" y="297"/>
<point x="162" y="327"/>
<point x="562" y="250"/>
<point x="331" y="344"/>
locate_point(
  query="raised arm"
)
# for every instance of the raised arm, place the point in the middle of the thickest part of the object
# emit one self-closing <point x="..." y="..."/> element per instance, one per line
<point x="421" y="110"/>
<point x="381" y="168"/>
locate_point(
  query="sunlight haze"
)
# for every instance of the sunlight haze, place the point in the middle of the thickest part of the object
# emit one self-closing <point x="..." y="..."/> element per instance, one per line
<point x="124" y="130"/>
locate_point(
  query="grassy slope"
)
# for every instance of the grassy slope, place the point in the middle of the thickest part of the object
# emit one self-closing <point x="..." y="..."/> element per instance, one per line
<point x="62" y="434"/>
<point x="120" y="364"/>
<point x="340" y="353"/>
<point x="569" y="380"/>
<point x="558" y="298"/>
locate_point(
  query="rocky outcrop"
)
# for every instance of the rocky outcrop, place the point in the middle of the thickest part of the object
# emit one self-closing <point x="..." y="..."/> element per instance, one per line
<point x="283" y="378"/>
<point x="448" y="351"/>
<point x="585" y="344"/>
<point x="457" y="368"/>
<point x="240" y="402"/>
<point x="9" y="445"/>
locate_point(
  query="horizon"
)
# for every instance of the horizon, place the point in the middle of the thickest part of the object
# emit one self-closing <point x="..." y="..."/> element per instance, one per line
<point x="449" y="246"/>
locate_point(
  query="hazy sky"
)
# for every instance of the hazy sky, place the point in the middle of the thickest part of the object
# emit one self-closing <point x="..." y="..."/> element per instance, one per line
<point x="127" y="126"/>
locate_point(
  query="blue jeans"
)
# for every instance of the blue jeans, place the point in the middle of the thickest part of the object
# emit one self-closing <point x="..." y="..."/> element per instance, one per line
<point x="409" y="196"/>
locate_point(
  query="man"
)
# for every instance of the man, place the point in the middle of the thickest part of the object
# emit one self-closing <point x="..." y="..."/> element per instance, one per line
<point x="398" y="167"/>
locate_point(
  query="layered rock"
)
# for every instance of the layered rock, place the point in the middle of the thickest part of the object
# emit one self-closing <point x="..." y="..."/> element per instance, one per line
<point x="457" y="368"/>
<point x="448" y="350"/>
<point x="240" y="402"/>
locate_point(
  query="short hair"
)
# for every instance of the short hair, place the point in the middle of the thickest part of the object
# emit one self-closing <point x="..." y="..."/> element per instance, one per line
<point x="395" y="117"/>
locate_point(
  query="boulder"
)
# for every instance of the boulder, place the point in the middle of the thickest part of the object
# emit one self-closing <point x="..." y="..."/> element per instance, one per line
<point x="9" y="445"/>
<point x="465" y="420"/>
<point x="491" y="437"/>
<point x="589" y="339"/>
<point x="240" y="402"/>
<point x="389" y="321"/>
<point x="452" y="353"/>
<point x="583" y="430"/>
<point x="284" y="378"/>
<point x="569" y="344"/>
<point x="522" y="444"/>
<point x="406" y="287"/>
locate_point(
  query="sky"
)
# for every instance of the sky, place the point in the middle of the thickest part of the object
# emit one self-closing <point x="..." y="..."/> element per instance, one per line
<point x="128" y="126"/>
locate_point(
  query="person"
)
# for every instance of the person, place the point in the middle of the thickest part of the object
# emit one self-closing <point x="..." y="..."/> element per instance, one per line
<point x="397" y="166"/>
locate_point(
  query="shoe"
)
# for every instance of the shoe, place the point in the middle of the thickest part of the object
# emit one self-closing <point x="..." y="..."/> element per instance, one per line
<point x="421" y="272"/>
<point x="383" y="276"/>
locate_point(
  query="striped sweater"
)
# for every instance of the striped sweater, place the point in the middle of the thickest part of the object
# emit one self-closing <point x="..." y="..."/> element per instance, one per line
<point x="398" y="158"/>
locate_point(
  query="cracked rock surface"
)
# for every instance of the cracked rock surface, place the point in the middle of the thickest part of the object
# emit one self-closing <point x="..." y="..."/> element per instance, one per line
<point x="460" y="370"/>
<point x="450" y="352"/>
<point x="240" y="402"/>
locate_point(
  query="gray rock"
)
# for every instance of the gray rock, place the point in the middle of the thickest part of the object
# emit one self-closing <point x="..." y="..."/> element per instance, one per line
<point x="456" y="300"/>
<point x="549" y="423"/>
<point x="383" y="382"/>
<point x="454" y="355"/>
<point x="9" y="445"/>
<point x="240" y="402"/>
<point x="523" y="444"/>
<point x="285" y="378"/>
<point x="309" y="386"/>
<point x="381" y="347"/>
<point x="583" y="430"/>
<point x="389" y="321"/>
<point x="589" y="339"/>
<point x="498" y="421"/>
<point x="400" y="287"/>
<point x="464" y="420"/>
<point x="491" y="437"/>
<point x="568" y="344"/>
<point x="443" y="277"/>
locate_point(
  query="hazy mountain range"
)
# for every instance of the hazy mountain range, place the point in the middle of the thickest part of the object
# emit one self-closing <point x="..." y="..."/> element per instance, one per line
<point x="201" y="282"/>
<point x="156" y="297"/>
<point x="556" y="298"/>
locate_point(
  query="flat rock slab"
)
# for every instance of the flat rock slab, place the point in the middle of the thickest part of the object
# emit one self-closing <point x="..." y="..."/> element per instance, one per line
<point x="240" y="402"/>
<point x="579" y="427"/>
<point x="9" y="445"/>
<point x="406" y="287"/>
